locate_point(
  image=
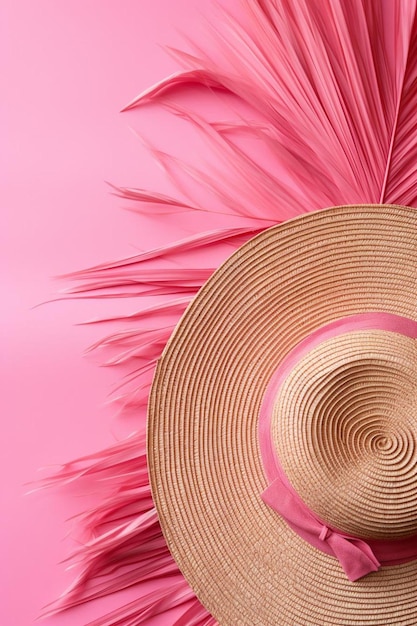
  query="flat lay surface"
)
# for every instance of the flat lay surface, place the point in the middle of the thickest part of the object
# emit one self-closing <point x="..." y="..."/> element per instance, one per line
<point x="69" y="68"/>
<point x="145" y="142"/>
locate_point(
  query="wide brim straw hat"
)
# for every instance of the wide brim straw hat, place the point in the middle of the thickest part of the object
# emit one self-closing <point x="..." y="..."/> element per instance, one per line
<point x="304" y="336"/>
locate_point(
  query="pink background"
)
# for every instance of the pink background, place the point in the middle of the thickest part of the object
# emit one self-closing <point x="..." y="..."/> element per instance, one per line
<point x="68" y="68"/>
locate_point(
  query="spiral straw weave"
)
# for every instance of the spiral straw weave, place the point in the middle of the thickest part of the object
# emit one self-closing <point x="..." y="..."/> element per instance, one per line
<point x="345" y="428"/>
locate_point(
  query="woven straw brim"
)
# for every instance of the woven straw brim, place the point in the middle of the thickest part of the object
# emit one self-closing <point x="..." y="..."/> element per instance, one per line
<point x="244" y="563"/>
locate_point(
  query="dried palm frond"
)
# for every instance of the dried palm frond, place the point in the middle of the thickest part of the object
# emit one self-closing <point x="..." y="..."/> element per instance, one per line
<point x="330" y="89"/>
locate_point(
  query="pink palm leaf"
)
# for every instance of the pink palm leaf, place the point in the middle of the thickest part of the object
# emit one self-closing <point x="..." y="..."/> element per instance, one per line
<point x="330" y="89"/>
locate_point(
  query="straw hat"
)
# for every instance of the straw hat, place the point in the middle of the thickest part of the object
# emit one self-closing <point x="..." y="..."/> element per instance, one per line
<point x="282" y="426"/>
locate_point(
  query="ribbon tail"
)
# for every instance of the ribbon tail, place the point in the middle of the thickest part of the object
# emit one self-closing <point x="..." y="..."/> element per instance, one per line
<point x="354" y="555"/>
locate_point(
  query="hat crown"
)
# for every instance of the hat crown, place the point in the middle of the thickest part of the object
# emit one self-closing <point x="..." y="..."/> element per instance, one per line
<point x="344" y="426"/>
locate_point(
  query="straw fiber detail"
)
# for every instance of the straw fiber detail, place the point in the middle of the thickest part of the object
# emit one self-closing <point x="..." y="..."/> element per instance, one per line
<point x="244" y="563"/>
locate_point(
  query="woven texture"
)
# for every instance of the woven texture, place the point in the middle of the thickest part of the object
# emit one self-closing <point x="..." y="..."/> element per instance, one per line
<point x="345" y="428"/>
<point x="242" y="560"/>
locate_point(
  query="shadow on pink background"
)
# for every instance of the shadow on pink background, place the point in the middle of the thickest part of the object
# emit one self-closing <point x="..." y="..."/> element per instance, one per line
<point x="68" y="68"/>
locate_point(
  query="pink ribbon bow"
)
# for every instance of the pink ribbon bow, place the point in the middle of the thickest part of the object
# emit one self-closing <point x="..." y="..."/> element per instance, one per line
<point x="354" y="555"/>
